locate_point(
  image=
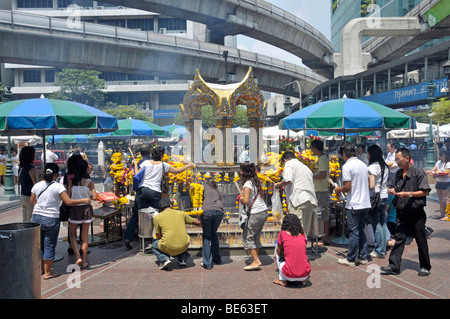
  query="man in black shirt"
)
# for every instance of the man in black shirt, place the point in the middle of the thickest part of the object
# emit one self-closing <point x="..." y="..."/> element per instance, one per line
<point x="410" y="187"/>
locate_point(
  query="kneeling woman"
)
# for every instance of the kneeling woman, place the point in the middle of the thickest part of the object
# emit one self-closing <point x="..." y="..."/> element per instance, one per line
<point x="292" y="244"/>
<point x="46" y="198"/>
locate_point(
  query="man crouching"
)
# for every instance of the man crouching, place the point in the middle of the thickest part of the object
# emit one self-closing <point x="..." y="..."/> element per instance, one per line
<point x="172" y="237"/>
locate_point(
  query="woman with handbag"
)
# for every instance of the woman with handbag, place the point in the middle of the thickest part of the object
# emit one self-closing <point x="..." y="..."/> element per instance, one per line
<point x="151" y="189"/>
<point x="292" y="260"/>
<point x="252" y="195"/>
<point x="46" y="198"/>
<point x="81" y="187"/>
<point x="378" y="177"/>
<point x="66" y="180"/>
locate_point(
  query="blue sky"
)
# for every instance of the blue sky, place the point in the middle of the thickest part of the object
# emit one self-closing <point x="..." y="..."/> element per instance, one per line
<point x="314" y="12"/>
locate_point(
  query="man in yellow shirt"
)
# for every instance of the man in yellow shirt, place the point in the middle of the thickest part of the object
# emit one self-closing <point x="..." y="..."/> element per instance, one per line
<point x="320" y="179"/>
<point x="171" y="234"/>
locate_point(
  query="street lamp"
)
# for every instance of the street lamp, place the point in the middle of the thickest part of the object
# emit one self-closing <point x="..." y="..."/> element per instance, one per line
<point x="287" y="109"/>
<point x="431" y="91"/>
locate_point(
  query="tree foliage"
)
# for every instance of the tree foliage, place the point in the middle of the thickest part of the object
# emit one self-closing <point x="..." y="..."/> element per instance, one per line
<point x="441" y="110"/>
<point x="208" y="120"/>
<point x="83" y="86"/>
<point x="122" y="112"/>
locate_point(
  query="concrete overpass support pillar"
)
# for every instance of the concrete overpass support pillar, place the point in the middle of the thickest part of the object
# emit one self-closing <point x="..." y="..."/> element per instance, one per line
<point x="374" y="83"/>
<point x="425" y="69"/>
<point x="352" y="59"/>
<point x="389" y="85"/>
<point x="405" y="76"/>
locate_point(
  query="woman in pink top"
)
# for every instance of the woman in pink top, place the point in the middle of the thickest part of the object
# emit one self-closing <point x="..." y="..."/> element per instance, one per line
<point x="292" y="244"/>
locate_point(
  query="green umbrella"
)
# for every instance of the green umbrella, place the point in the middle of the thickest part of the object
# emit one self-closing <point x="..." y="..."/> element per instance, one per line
<point x="131" y="128"/>
<point x="51" y="117"/>
<point x="346" y="115"/>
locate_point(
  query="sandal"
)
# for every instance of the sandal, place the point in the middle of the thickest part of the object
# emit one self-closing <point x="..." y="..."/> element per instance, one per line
<point x="87" y="265"/>
<point x="280" y="282"/>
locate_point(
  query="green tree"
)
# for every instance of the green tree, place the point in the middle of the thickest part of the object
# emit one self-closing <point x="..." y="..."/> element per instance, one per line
<point x="208" y="120"/>
<point x="122" y="112"/>
<point x="420" y="116"/>
<point x="441" y="111"/>
<point x="83" y="86"/>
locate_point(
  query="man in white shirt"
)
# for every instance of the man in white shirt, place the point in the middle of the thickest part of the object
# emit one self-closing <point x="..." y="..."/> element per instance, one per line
<point x="50" y="157"/>
<point x="390" y="159"/>
<point x="299" y="186"/>
<point x="355" y="177"/>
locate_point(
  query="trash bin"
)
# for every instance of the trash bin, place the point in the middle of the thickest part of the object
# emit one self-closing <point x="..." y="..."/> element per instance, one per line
<point x="146" y="225"/>
<point x="20" y="259"/>
<point x="146" y="222"/>
<point x="317" y="223"/>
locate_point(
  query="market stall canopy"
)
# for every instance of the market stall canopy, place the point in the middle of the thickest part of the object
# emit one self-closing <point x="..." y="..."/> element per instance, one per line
<point x="346" y="115"/>
<point x="30" y="139"/>
<point x="52" y="117"/>
<point x="444" y="130"/>
<point x="272" y="133"/>
<point x="421" y="131"/>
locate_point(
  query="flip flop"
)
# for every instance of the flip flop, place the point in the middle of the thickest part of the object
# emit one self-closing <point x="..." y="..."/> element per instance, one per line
<point x="252" y="268"/>
<point x="52" y="275"/>
<point x="87" y="265"/>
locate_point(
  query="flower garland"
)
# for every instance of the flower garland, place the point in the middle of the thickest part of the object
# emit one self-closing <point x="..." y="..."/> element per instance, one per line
<point x="117" y="168"/>
<point x="196" y="194"/>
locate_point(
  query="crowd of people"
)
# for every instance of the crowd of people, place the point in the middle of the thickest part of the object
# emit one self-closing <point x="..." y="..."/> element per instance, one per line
<point x="387" y="193"/>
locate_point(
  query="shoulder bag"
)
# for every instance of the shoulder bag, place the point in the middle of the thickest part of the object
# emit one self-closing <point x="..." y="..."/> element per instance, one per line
<point x="375" y="201"/>
<point x="138" y="179"/>
<point x="245" y="214"/>
<point x="164" y="183"/>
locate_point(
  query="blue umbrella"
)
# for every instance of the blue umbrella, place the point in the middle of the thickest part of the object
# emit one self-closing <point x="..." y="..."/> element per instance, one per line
<point x="53" y="117"/>
<point x="130" y="128"/>
<point x="175" y="130"/>
<point x="348" y="115"/>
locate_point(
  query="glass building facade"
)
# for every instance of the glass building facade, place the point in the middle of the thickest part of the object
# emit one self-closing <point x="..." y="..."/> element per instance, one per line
<point x="342" y="11"/>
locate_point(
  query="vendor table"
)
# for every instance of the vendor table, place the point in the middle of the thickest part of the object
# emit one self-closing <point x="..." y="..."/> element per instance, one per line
<point x="112" y="225"/>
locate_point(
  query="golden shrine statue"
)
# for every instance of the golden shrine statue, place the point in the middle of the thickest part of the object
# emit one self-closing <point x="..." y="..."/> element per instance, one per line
<point x="224" y="98"/>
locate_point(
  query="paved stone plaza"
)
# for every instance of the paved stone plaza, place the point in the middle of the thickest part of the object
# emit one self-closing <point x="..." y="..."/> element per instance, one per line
<point x="118" y="273"/>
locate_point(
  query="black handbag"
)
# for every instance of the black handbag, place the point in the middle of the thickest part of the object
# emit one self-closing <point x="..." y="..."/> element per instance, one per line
<point x="164" y="183"/>
<point x="245" y="214"/>
<point x="375" y="203"/>
<point x="64" y="212"/>
<point x="375" y="200"/>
